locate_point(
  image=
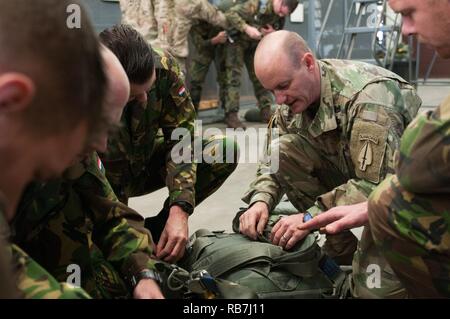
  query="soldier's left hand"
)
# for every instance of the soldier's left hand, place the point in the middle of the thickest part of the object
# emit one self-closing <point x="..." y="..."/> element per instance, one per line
<point x="267" y="29"/>
<point x="338" y="219"/>
<point x="285" y="233"/>
<point x="147" y="289"/>
<point x="174" y="237"/>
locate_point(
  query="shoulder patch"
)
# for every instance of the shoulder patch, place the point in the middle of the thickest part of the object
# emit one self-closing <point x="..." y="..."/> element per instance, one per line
<point x="367" y="149"/>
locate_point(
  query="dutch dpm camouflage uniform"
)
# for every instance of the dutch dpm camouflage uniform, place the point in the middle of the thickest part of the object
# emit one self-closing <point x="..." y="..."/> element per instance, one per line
<point x="24" y="277"/>
<point x="242" y="50"/>
<point x="139" y="159"/>
<point x="409" y="213"/>
<point x="8" y="288"/>
<point x="335" y="153"/>
<point x="201" y="35"/>
<point x="78" y="220"/>
<point x="34" y="282"/>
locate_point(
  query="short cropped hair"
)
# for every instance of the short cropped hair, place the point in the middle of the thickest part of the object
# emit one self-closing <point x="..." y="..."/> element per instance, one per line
<point x="64" y="63"/>
<point x="132" y="51"/>
<point x="291" y="4"/>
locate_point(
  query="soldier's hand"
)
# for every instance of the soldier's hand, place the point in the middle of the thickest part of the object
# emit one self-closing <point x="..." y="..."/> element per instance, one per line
<point x="220" y="38"/>
<point x="174" y="237"/>
<point x="147" y="289"/>
<point x="286" y="234"/>
<point x="338" y="219"/>
<point x="253" y="221"/>
<point x="268" y="28"/>
<point x="253" y="33"/>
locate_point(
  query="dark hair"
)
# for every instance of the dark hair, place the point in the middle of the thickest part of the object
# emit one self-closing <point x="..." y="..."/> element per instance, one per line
<point x="291" y="4"/>
<point x="64" y="63"/>
<point x="132" y="51"/>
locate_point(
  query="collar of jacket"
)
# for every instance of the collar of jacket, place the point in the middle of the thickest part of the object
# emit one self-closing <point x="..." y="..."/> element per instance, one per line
<point x="325" y="118"/>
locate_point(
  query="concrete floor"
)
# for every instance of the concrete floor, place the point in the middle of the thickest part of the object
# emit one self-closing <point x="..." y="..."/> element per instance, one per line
<point x="217" y="211"/>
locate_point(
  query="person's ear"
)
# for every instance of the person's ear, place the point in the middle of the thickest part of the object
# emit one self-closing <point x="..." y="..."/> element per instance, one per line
<point x="309" y="61"/>
<point x="16" y="92"/>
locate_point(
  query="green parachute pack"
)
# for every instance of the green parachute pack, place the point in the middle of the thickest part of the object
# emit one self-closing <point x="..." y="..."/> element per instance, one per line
<point x="232" y="266"/>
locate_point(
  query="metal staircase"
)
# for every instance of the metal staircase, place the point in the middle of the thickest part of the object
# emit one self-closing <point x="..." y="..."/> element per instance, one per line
<point x="367" y="17"/>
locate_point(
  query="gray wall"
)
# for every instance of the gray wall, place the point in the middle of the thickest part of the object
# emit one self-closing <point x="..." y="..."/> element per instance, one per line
<point x="104" y="13"/>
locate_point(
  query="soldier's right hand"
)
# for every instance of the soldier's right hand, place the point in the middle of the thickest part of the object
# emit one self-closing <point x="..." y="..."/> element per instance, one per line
<point x="253" y="221"/>
<point x="220" y="38"/>
<point x="253" y="33"/>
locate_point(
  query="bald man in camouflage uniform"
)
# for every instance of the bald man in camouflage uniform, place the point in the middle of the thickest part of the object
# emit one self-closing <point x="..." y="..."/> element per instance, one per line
<point x="333" y="153"/>
<point x="260" y="17"/>
<point x="208" y="42"/>
<point x="78" y="220"/>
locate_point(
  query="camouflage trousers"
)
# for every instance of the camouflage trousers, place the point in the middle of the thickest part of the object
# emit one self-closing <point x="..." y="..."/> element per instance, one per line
<point x="199" y="69"/>
<point x="153" y="19"/>
<point x="186" y="11"/>
<point x="306" y="173"/>
<point x="210" y="176"/>
<point x="412" y="233"/>
<point x="34" y="282"/>
<point x="238" y="54"/>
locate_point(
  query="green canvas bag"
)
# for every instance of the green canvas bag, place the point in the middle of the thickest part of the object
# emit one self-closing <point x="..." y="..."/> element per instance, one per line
<point x="264" y="268"/>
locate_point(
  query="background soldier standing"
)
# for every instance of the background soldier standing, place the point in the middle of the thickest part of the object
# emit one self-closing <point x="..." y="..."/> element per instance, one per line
<point x="252" y="19"/>
<point x="208" y="42"/>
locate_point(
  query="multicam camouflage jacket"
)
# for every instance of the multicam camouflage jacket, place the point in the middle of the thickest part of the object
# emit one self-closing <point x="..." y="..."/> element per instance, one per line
<point x="63" y="221"/>
<point x="363" y="109"/>
<point x="424" y="163"/>
<point x="169" y="107"/>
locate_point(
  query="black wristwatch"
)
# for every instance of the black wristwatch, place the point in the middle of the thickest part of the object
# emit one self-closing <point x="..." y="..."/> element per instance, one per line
<point x="145" y="274"/>
<point x="188" y="208"/>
